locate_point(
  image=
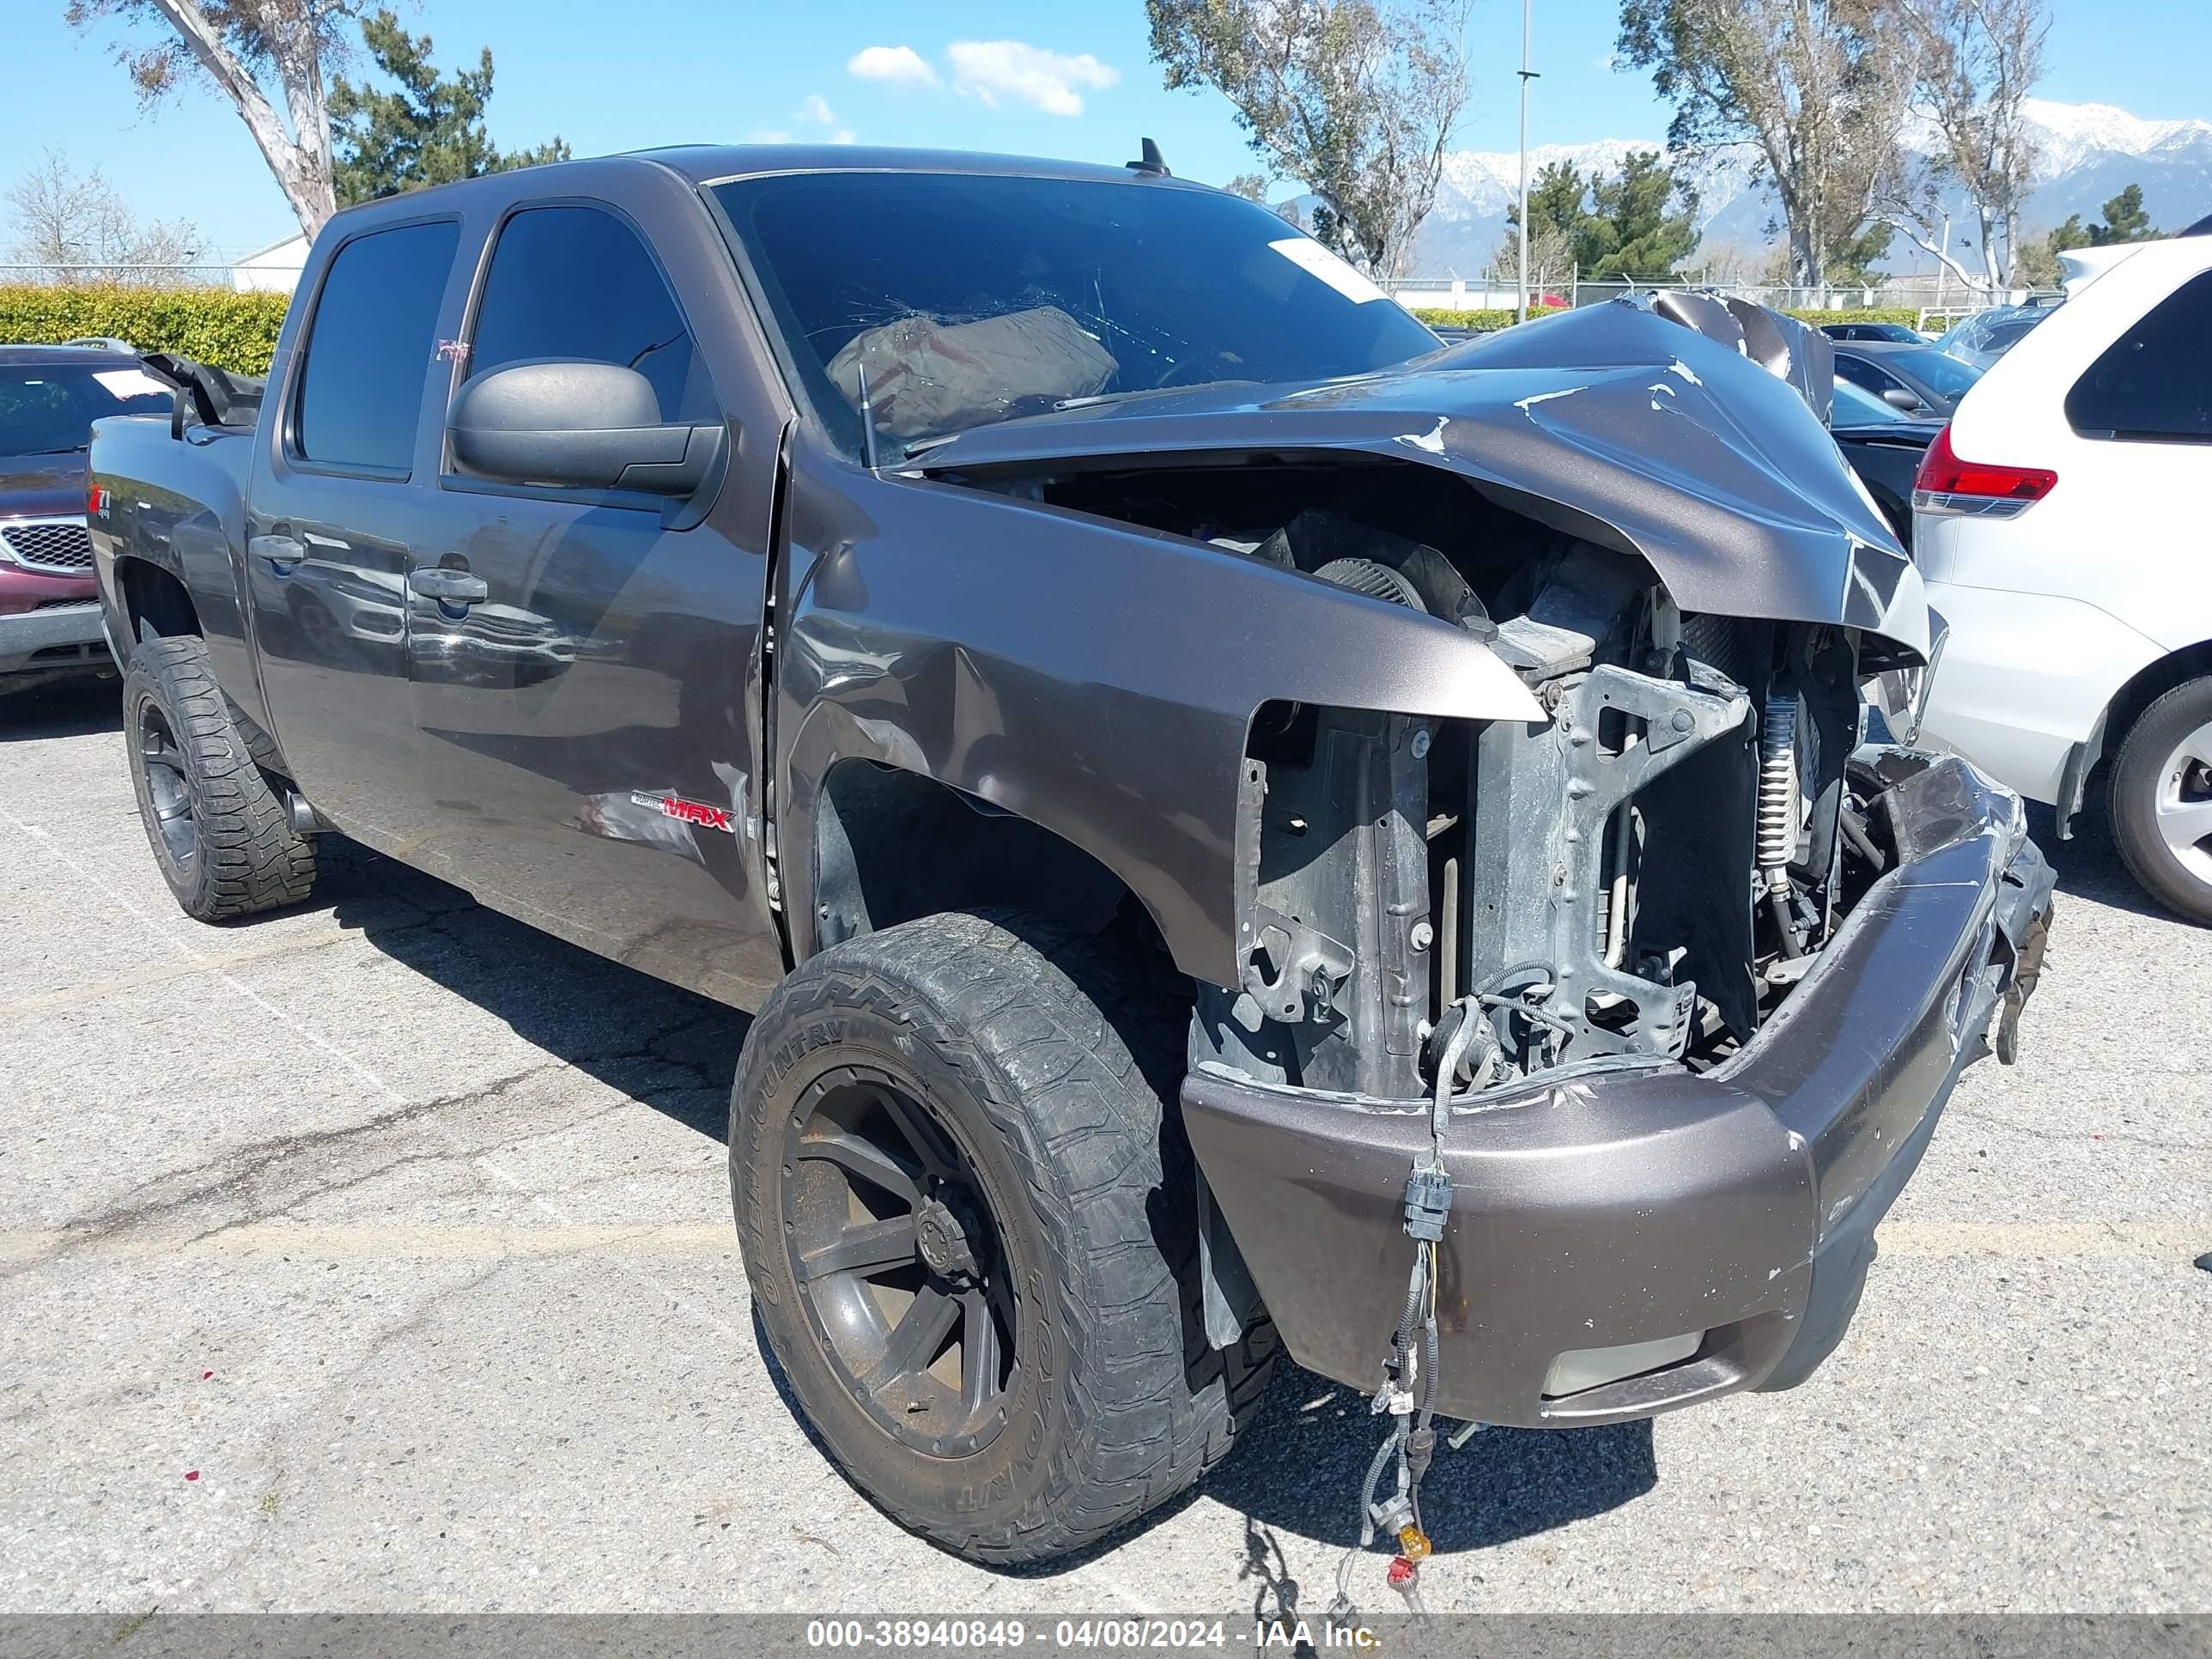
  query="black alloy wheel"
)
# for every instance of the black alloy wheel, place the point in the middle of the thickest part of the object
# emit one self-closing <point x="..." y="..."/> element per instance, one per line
<point x="969" y="1227"/>
<point x="168" y="790"/>
<point x="902" y="1266"/>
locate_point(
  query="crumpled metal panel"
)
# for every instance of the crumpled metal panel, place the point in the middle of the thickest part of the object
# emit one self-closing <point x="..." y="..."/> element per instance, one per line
<point x="1614" y="422"/>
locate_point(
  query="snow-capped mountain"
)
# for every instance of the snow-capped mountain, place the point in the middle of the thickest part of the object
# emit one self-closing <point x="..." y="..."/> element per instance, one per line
<point x="2087" y="152"/>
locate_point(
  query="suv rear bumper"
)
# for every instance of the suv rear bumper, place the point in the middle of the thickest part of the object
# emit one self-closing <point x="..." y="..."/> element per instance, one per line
<point x="1727" y="1218"/>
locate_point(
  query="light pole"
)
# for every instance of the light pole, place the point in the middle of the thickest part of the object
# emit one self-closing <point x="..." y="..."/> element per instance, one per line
<point x="1526" y="76"/>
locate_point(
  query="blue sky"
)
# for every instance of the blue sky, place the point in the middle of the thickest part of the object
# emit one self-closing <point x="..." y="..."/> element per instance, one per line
<point x="1071" y="79"/>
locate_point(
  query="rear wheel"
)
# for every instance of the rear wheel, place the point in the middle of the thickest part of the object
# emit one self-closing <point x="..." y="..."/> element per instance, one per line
<point x="968" y="1224"/>
<point x="224" y="842"/>
<point x="2162" y="800"/>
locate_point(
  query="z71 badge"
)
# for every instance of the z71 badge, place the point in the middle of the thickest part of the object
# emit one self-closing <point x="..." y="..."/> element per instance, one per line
<point x="688" y="811"/>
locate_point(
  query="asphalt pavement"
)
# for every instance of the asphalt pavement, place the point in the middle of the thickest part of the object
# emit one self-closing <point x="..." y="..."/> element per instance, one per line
<point x="376" y="1256"/>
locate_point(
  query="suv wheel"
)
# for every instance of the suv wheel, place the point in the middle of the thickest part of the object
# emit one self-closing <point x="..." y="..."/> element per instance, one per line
<point x="224" y="842"/>
<point x="2162" y="800"/>
<point x="968" y="1224"/>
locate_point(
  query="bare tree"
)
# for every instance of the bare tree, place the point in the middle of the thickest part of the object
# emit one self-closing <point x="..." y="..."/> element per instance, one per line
<point x="258" y="53"/>
<point x="80" y="229"/>
<point x="1551" y="258"/>
<point x="1975" y="62"/>
<point x="1811" y="86"/>
<point x="1355" y="99"/>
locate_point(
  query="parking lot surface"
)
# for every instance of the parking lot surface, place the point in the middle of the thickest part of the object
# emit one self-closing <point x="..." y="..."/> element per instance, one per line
<point x="376" y="1256"/>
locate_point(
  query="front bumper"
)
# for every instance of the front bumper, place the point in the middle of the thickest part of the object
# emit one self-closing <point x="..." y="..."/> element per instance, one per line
<point x="57" y="636"/>
<point x="1726" y="1219"/>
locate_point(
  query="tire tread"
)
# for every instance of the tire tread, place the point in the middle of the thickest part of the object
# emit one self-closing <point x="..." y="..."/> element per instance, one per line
<point x="1052" y="1032"/>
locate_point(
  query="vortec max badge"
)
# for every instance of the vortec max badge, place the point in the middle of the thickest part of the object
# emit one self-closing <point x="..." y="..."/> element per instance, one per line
<point x="688" y="811"/>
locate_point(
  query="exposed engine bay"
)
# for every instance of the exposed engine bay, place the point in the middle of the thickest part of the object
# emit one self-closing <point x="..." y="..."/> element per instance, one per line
<point x="1644" y="877"/>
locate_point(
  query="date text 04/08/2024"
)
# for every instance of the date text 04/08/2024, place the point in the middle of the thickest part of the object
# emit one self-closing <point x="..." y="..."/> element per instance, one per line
<point x="1108" y="1633"/>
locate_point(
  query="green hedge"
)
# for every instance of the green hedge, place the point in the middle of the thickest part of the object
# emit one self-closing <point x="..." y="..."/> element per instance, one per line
<point x="232" y="331"/>
<point x="1481" y="321"/>
<point x="238" y="331"/>
<point x="1908" y="317"/>
<point x="1439" y="317"/>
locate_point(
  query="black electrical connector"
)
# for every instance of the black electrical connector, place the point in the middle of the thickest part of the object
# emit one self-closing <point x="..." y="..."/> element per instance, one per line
<point x="1428" y="1201"/>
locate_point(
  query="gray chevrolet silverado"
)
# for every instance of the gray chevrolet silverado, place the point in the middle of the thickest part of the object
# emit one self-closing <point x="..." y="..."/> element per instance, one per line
<point x="1240" y="825"/>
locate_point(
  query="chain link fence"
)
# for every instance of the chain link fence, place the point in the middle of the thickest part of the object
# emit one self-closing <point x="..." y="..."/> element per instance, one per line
<point x="1937" y="304"/>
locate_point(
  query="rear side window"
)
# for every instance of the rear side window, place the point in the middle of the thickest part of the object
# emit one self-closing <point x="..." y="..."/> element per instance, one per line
<point x="369" y="346"/>
<point x="576" y="282"/>
<point x="2155" y="381"/>
<point x="1859" y="372"/>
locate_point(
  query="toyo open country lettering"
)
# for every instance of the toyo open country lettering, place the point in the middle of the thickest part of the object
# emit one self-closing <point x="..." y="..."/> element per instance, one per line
<point x="1243" y="827"/>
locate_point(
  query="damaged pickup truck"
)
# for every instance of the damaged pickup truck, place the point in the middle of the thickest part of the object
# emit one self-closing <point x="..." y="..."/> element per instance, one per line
<point x="1235" y="819"/>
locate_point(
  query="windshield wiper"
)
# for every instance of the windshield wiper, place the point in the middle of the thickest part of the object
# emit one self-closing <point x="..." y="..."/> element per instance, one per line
<point x="1098" y="398"/>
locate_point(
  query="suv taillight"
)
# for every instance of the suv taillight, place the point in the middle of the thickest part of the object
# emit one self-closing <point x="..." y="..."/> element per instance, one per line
<point x="1947" y="486"/>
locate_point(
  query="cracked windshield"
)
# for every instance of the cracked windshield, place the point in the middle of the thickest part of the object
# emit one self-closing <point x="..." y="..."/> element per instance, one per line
<point x="962" y="300"/>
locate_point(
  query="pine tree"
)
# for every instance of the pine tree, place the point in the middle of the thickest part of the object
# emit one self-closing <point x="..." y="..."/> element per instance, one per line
<point x="1630" y="234"/>
<point x="428" y="131"/>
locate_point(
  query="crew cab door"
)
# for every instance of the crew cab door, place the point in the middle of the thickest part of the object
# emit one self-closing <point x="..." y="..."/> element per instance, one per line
<point x="583" y="666"/>
<point x="334" y="506"/>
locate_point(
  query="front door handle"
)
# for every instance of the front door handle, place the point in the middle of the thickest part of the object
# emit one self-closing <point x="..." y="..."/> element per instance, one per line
<point x="283" y="551"/>
<point x="447" y="586"/>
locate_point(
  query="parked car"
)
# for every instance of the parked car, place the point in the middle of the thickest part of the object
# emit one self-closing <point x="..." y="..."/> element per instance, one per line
<point x="1981" y="339"/>
<point x="2061" y="522"/>
<point x="1884" y="446"/>
<point x="1917" y="381"/>
<point x="49" y="398"/>
<point x="1896" y="333"/>
<point x="1227" y="829"/>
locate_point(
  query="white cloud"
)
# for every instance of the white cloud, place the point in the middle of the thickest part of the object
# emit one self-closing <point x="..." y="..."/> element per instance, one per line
<point x="816" y="109"/>
<point x="991" y="69"/>
<point x="767" y="135"/>
<point x="891" y="63"/>
<point x="844" y="135"/>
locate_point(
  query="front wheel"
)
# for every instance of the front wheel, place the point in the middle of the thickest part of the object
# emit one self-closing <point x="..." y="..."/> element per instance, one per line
<point x="2161" y="800"/>
<point x="968" y="1226"/>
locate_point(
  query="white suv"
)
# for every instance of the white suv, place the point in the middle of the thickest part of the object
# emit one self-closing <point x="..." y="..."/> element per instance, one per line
<point x="2063" y="524"/>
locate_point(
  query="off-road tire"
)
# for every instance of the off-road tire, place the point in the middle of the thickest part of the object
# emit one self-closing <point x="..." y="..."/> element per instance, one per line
<point x="248" y="857"/>
<point x="2138" y="772"/>
<point x="1049" y="1060"/>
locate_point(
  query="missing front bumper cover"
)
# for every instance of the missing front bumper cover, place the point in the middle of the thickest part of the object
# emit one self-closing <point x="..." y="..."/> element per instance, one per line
<point x="1631" y="1201"/>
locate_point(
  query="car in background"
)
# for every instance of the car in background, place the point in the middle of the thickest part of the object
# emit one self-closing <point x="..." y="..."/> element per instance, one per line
<point x="1915" y="380"/>
<point x="1884" y="446"/>
<point x="2060" y="524"/>
<point x="50" y="395"/>
<point x="1986" y="336"/>
<point x="1895" y="333"/>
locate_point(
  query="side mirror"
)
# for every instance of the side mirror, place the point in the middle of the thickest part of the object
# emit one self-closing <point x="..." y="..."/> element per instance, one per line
<point x="1897" y="397"/>
<point x="585" y="425"/>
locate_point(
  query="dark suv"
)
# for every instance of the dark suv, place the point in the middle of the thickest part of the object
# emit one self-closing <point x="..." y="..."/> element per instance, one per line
<point x="50" y="395"/>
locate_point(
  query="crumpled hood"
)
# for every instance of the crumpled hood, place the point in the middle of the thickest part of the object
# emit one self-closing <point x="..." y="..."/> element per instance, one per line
<point x="42" y="486"/>
<point x="1613" y="424"/>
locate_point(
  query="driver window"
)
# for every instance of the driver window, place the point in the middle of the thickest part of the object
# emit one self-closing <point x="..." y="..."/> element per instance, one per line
<point x="576" y="282"/>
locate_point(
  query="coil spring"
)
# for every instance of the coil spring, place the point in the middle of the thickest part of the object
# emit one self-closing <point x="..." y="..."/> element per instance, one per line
<point x="1778" y="798"/>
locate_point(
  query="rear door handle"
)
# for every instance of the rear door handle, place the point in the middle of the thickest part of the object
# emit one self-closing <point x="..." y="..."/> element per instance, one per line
<point x="283" y="551"/>
<point x="448" y="587"/>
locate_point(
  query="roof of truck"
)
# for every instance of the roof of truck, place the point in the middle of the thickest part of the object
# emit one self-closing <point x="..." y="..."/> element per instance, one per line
<point x="712" y="163"/>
